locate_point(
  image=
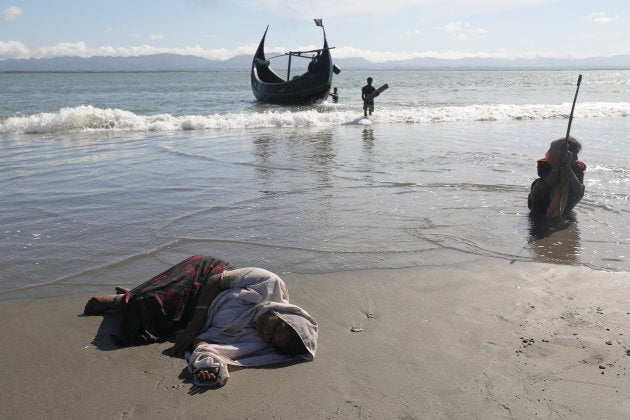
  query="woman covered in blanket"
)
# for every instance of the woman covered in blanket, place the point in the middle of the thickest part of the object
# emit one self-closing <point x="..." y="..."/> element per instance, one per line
<point x="226" y="316"/>
<point x="560" y="183"/>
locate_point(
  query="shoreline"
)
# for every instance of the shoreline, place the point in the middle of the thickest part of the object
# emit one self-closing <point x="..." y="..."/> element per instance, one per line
<point x="487" y="338"/>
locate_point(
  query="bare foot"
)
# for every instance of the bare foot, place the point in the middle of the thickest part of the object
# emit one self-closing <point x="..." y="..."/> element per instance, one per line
<point x="100" y="304"/>
<point x="121" y="290"/>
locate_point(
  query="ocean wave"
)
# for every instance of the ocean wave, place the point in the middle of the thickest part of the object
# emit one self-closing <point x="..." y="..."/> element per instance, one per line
<point x="88" y="118"/>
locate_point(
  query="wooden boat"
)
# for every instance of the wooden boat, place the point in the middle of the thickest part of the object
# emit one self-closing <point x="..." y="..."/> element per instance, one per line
<point x="306" y="88"/>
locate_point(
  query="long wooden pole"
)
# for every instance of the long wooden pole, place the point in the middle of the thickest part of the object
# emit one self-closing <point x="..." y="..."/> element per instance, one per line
<point x="573" y="108"/>
<point x="564" y="177"/>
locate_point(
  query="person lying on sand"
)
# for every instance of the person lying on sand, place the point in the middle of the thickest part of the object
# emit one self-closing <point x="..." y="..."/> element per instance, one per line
<point x="230" y="316"/>
<point x="560" y="182"/>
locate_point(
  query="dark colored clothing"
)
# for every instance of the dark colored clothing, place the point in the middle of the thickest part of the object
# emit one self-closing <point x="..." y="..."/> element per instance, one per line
<point x="539" y="198"/>
<point x="365" y="91"/>
<point x="159" y="307"/>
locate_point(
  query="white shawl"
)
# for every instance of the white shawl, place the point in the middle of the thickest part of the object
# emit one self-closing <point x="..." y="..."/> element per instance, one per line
<point x="230" y="326"/>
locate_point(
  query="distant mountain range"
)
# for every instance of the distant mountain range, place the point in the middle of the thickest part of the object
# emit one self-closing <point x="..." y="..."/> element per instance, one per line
<point x="175" y="62"/>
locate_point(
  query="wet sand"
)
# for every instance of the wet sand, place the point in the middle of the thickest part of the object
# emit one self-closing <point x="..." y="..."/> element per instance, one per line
<point x="483" y="339"/>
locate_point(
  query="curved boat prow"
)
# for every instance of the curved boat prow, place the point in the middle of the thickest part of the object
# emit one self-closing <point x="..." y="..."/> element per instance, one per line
<point x="307" y="88"/>
<point x="261" y="46"/>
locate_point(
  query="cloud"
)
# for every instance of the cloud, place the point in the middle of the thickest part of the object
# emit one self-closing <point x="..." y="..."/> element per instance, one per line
<point x="63" y="49"/>
<point x="383" y="56"/>
<point x="11" y="13"/>
<point x="512" y="53"/>
<point x="13" y="49"/>
<point x="463" y="31"/>
<point x="602" y="17"/>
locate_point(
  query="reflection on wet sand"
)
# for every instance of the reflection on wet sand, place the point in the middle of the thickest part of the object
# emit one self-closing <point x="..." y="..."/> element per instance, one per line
<point x="555" y="243"/>
<point x="296" y="152"/>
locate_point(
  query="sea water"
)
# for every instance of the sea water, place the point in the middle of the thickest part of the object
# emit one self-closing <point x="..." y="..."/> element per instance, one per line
<point x="108" y="178"/>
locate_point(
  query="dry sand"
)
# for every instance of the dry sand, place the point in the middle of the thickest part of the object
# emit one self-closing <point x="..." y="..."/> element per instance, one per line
<point x="487" y="339"/>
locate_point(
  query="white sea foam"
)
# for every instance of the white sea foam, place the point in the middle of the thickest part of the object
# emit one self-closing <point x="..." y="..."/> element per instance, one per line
<point x="87" y="118"/>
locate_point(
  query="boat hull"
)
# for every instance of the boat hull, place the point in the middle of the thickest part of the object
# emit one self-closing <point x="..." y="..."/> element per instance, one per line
<point x="269" y="87"/>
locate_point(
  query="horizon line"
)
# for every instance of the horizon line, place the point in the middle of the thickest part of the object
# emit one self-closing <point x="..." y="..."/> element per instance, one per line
<point x="431" y="57"/>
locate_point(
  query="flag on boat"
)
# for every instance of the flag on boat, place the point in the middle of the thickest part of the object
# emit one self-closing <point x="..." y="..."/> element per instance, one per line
<point x="318" y="22"/>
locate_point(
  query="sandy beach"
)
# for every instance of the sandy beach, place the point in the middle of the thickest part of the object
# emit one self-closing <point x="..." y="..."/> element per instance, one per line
<point x="482" y="339"/>
<point x="437" y="296"/>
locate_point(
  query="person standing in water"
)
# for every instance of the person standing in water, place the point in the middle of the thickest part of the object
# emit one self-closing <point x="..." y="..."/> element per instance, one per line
<point x="334" y="95"/>
<point x="365" y="91"/>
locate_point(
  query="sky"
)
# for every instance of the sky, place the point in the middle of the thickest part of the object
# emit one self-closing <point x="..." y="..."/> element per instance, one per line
<point x="375" y="30"/>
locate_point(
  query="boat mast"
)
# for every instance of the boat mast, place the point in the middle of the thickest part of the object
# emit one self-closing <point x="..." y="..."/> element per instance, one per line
<point x="289" y="68"/>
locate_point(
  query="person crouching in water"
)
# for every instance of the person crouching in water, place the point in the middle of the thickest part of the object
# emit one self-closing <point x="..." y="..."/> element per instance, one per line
<point x="560" y="183"/>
